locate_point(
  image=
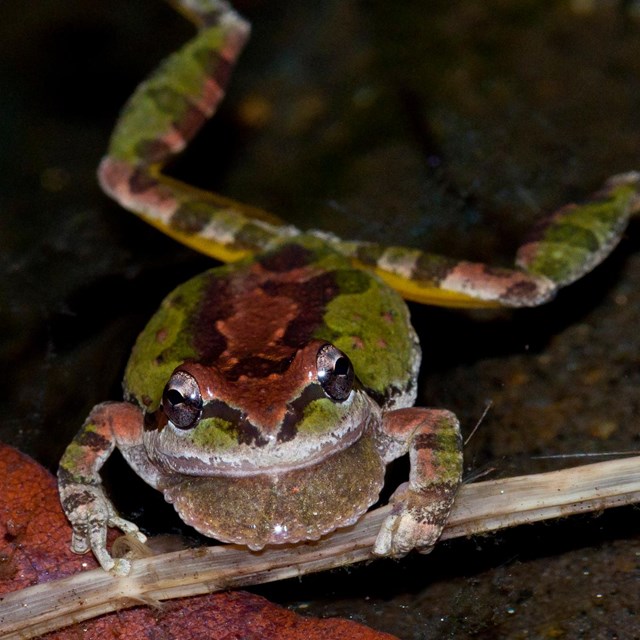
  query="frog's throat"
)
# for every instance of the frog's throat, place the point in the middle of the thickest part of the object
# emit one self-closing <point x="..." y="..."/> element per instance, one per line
<point x="286" y="507"/>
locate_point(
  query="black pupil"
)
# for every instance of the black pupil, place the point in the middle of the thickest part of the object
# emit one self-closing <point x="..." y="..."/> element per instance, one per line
<point x="174" y="397"/>
<point x="341" y="367"/>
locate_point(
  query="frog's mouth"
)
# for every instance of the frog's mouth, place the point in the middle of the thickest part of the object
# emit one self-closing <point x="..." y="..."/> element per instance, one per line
<point x="286" y="507"/>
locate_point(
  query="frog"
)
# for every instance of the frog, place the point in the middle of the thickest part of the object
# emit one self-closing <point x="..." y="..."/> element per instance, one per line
<point x="267" y="396"/>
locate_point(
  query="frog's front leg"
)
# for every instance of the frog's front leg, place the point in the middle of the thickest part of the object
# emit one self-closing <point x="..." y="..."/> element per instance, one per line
<point x="421" y="507"/>
<point x="83" y="499"/>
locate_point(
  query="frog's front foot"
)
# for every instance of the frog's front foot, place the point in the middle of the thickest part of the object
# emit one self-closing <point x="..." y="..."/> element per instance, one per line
<point x="416" y="522"/>
<point x="91" y="513"/>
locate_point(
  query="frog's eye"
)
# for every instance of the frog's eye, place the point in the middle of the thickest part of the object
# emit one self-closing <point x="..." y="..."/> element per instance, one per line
<point x="335" y="372"/>
<point x="182" y="401"/>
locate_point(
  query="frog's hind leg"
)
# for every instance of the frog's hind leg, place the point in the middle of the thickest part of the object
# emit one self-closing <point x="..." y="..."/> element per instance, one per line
<point x="564" y="247"/>
<point x="160" y="118"/>
<point x="576" y="238"/>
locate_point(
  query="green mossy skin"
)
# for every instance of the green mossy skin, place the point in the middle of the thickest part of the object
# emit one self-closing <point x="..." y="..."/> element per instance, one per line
<point x="74" y="457"/>
<point x="88" y="443"/>
<point x="372" y="327"/>
<point x="558" y="261"/>
<point x="319" y="416"/>
<point x="214" y="434"/>
<point x="369" y="254"/>
<point x="368" y="321"/>
<point x="164" y="99"/>
<point x="163" y="344"/>
<point x="447" y="455"/>
<point x="253" y="235"/>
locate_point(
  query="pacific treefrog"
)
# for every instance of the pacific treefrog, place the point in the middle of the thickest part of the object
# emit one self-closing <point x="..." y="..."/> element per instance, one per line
<point x="265" y="397"/>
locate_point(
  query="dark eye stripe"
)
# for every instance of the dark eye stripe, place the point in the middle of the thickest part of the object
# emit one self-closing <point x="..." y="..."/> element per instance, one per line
<point x="295" y="411"/>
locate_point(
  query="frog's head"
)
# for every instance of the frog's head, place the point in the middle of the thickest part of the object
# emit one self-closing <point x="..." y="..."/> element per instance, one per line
<point x="258" y="415"/>
<point x="283" y="456"/>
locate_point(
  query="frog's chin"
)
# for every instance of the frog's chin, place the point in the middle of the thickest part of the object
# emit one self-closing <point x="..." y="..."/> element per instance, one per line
<point x="284" y="507"/>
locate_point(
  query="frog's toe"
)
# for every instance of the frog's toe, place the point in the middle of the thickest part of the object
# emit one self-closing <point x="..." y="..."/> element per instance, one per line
<point x="401" y="533"/>
<point x="384" y="540"/>
<point x="80" y="541"/>
<point x="98" y="541"/>
<point x="127" y="527"/>
<point x="114" y="566"/>
<point x="119" y="567"/>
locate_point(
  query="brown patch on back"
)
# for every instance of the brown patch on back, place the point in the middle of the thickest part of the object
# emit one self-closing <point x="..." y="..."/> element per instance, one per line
<point x="263" y="401"/>
<point x="256" y="328"/>
<point x="252" y="322"/>
<point x="288" y="258"/>
<point x="312" y="295"/>
<point x="217" y="304"/>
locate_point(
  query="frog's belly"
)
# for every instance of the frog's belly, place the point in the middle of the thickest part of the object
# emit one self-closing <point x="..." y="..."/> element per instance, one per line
<point x="302" y="504"/>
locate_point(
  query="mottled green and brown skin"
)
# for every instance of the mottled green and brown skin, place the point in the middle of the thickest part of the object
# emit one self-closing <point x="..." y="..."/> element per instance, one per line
<point x="265" y="398"/>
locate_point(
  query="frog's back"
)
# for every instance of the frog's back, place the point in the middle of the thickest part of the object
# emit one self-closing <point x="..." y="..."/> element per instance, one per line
<point x="250" y="318"/>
